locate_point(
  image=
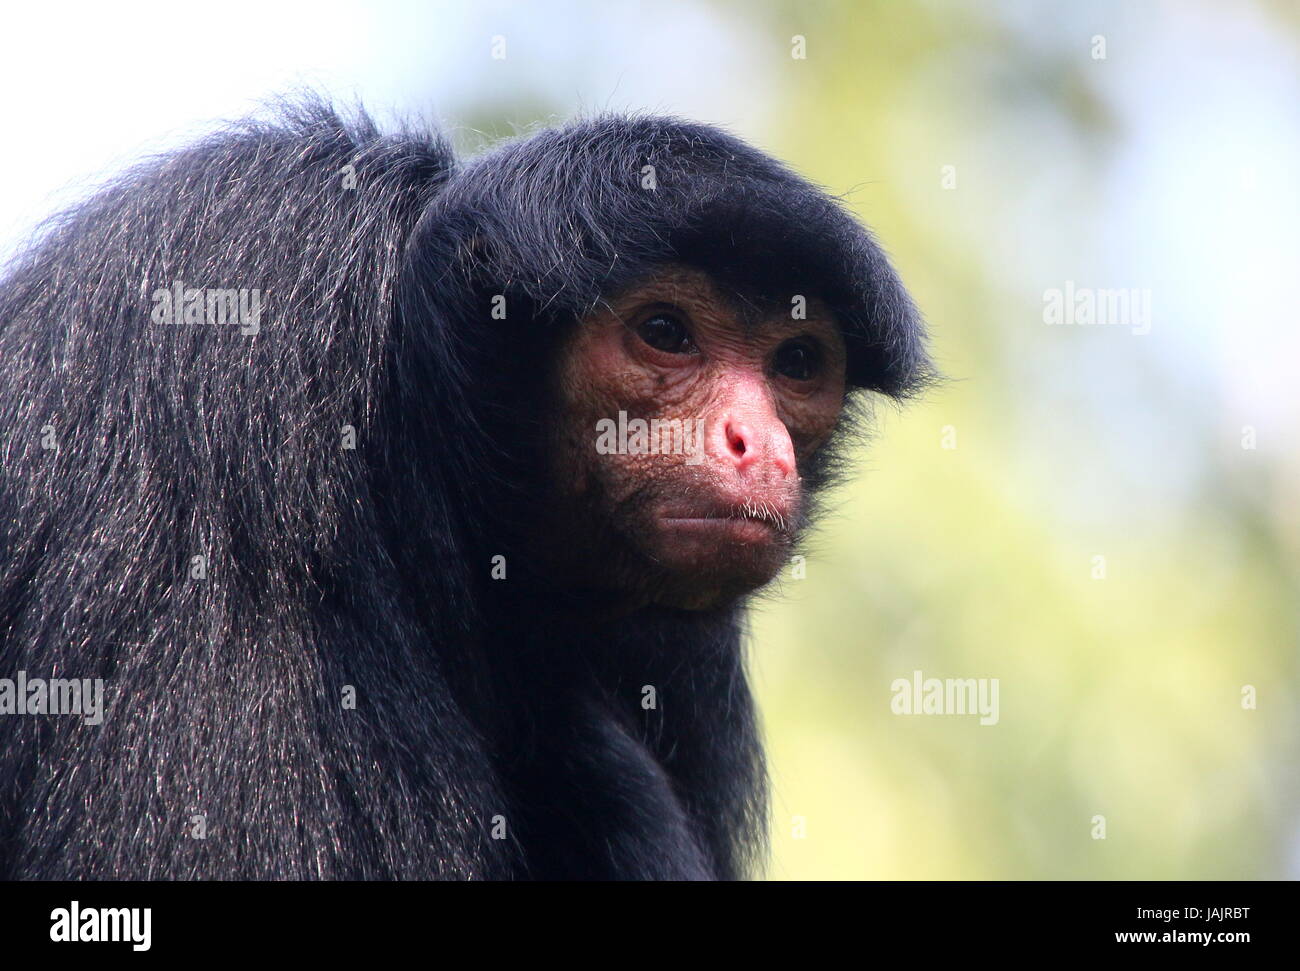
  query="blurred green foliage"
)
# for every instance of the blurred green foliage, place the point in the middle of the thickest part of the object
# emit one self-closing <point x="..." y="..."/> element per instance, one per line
<point x="1120" y="697"/>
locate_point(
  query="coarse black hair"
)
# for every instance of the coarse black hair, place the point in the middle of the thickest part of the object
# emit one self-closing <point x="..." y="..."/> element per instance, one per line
<point x="183" y="513"/>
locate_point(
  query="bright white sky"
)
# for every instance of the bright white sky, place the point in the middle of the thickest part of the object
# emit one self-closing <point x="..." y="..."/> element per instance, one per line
<point x="91" y="86"/>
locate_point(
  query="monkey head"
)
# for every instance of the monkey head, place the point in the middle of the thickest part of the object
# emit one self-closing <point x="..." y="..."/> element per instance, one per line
<point x="643" y="271"/>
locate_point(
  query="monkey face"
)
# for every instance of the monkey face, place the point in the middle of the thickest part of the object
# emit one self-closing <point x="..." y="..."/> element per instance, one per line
<point x="682" y="423"/>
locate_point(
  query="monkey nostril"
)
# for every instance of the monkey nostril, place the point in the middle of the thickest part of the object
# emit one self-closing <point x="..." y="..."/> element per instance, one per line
<point x="737" y="438"/>
<point x="749" y="451"/>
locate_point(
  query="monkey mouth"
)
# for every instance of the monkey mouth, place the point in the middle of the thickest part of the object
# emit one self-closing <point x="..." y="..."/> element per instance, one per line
<point x="726" y="548"/>
<point x="747" y="523"/>
<point x="723" y="530"/>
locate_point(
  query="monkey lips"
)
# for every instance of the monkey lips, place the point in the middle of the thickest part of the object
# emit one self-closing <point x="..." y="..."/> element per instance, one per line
<point x="745" y="542"/>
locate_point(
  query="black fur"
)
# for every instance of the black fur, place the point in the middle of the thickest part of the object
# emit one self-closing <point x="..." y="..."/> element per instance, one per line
<point x="369" y="567"/>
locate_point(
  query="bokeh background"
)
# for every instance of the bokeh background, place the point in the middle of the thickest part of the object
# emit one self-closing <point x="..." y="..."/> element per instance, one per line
<point x="1104" y="520"/>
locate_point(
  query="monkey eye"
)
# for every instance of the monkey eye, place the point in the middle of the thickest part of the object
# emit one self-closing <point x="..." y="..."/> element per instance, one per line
<point x="799" y="360"/>
<point x="665" y="332"/>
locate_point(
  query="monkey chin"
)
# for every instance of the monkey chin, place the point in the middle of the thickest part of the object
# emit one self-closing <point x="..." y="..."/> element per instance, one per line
<point x="708" y="562"/>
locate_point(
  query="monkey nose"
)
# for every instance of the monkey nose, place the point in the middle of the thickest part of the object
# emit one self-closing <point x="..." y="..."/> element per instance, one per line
<point x="758" y="448"/>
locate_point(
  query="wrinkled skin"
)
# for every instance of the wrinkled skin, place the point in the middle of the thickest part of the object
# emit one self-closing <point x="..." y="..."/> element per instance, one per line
<point x="691" y="531"/>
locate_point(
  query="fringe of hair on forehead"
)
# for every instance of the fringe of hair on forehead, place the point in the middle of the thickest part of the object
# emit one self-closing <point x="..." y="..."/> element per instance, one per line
<point x="569" y="214"/>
